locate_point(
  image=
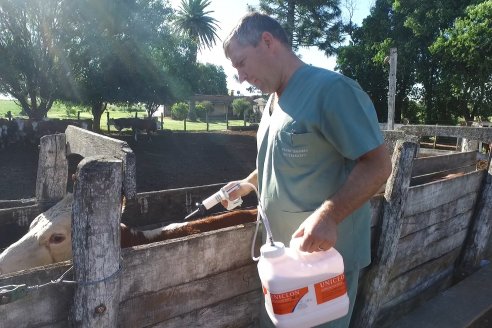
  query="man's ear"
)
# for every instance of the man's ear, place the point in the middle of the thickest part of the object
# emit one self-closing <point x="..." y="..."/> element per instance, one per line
<point x="267" y="38"/>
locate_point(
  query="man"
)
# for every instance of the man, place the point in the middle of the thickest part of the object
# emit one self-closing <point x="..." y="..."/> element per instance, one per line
<point x="321" y="154"/>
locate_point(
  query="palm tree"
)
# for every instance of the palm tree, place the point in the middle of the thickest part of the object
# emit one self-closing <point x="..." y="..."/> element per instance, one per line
<point x="194" y="21"/>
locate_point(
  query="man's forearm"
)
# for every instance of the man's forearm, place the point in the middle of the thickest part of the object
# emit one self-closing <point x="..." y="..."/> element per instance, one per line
<point x="368" y="175"/>
<point x="253" y="178"/>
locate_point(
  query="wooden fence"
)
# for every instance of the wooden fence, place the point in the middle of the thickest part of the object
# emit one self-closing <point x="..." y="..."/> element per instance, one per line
<point x="426" y="233"/>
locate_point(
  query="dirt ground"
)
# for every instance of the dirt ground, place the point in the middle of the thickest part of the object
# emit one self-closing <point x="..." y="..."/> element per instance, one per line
<point x="170" y="160"/>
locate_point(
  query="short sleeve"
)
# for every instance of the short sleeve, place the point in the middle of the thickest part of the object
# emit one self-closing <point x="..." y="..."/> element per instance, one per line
<point x="348" y="119"/>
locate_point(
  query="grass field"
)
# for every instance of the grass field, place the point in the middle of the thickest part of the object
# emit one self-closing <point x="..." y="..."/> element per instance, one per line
<point x="60" y="111"/>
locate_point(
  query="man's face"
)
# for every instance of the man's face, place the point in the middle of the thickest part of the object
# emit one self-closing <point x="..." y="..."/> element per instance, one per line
<point x="251" y="64"/>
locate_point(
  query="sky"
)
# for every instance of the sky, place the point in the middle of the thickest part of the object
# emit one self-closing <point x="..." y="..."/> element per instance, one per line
<point x="228" y="13"/>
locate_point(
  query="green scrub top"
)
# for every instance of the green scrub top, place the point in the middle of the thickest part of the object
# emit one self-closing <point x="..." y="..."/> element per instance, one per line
<point x="307" y="147"/>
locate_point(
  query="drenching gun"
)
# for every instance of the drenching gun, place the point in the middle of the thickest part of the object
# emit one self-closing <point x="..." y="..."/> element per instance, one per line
<point x="222" y="194"/>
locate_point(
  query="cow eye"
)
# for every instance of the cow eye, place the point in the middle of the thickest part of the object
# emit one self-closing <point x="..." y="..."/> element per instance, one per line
<point x="57" y="238"/>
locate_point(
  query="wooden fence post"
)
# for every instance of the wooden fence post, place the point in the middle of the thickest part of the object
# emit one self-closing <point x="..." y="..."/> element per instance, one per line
<point x="107" y="121"/>
<point x="375" y="280"/>
<point x="479" y="231"/>
<point x="51" y="181"/>
<point x="392" y="89"/>
<point x="96" y="242"/>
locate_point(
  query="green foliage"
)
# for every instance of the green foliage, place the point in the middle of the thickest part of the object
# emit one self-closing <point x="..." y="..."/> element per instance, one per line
<point x="209" y="107"/>
<point x="200" y="111"/>
<point x="194" y="21"/>
<point x="32" y="53"/>
<point x="202" y="108"/>
<point x="179" y="111"/>
<point x="241" y="106"/>
<point x="92" y="52"/>
<point x="426" y="20"/>
<point x="465" y="52"/>
<point x="211" y="80"/>
<point x="428" y="78"/>
<point x="308" y="23"/>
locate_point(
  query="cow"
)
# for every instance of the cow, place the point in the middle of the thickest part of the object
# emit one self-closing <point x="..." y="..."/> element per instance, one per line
<point x="48" y="239"/>
<point x="136" y="124"/>
<point x="121" y="123"/>
<point x="29" y="130"/>
<point x="4" y="130"/>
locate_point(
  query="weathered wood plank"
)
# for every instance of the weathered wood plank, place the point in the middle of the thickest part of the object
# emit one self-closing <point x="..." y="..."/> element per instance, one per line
<point x="393" y="311"/>
<point x="426" y="165"/>
<point x="411" y="257"/>
<point x="480" y="231"/>
<point x="96" y="212"/>
<point x="4" y="204"/>
<point x="375" y="279"/>
<point x="431" y="177"/>
<point x="430" y="195"/>
<point x="42" y="307"/>
<point x="185" y="259"/>
<point x="473" y="133"/>
<point x="87" y="143"/>
<point x="51" y="181"/>
<point x="238" y="312"/>
<point x="165" y="304"/>
<point x="22" y="216"/>
<point x="441" y="213"/>
<point x="413" y="280"/>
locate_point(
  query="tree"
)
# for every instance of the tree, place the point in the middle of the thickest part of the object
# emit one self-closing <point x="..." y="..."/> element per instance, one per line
<point x="241" y="107"/>
<point x="32" y="53"/>
<point x="412" y="27"/>
<point x="122" y="52"/>
<point x="426" y="19"/>
<point x="211" y="80"/>
<point x="179" y="111"/>
<point x="363" y="59"/>
<point x="308" y="22"/>
<point x="204" y="108"/>
<point x="465" y="53"/>
<point x="193" y="20"/>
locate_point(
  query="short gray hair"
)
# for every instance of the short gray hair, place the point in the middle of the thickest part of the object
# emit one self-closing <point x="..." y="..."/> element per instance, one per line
<point x="250" y="28"/>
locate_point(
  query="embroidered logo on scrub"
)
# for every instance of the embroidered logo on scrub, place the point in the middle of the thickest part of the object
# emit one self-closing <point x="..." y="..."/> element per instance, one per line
<point x="295" y="152"/>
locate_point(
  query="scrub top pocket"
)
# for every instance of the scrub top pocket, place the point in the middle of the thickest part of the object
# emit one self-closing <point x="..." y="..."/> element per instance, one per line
<point x="296" y="151"/>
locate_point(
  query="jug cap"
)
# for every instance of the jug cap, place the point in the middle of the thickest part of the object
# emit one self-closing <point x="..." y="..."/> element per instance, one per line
<point x="269" y="251"/>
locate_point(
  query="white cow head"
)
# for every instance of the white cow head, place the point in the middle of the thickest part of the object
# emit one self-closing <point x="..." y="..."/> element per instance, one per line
<point x="49" y="240"/>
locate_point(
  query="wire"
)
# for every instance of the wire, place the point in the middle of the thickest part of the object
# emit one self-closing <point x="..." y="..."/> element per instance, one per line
<point x="260" y="217"/>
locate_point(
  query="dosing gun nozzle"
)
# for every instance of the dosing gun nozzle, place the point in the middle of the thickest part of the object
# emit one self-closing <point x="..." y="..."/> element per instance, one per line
<point x="222" y="194"/>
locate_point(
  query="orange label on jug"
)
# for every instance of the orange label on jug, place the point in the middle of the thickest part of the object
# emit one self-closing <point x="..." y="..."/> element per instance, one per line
<point x="330" y="289"/>
<point x="285" y="303"/>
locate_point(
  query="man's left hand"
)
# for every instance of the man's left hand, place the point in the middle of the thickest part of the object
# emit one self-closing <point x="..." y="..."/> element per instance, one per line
<point x="318" y="233"/>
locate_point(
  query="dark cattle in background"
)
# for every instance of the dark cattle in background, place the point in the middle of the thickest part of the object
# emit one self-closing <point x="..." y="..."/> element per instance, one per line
<point x="136" y="124"/>
<point x="4" y="124"/>
<point x="28" y="130"/>
<point x="121" y="123"/>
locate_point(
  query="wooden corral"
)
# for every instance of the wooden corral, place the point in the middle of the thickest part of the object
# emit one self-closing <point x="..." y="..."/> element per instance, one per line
<point x="429" y="229"/>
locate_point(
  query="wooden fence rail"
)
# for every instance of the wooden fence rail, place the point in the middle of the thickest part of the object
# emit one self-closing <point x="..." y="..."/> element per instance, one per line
<point x="422" y="226"/>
